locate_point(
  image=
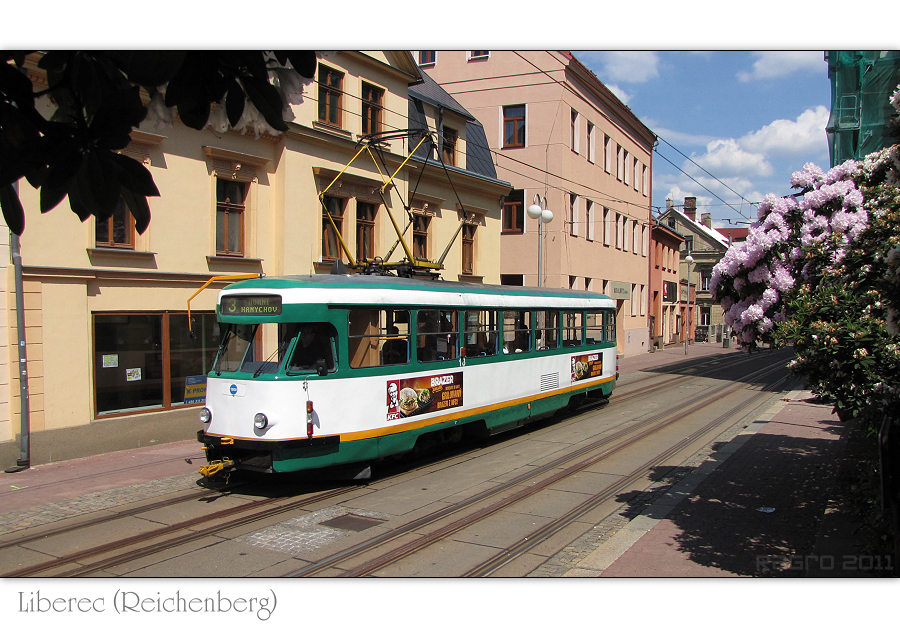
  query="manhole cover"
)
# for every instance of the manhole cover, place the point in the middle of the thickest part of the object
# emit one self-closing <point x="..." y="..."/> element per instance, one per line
<point x="354" y="523"/>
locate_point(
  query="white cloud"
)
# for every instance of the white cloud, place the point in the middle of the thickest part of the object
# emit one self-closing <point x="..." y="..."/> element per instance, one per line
<point x="805" y="135"/>
<point x="726" y="158"/>
<point x="630" y="66"/>
<point x="775" y="64"/>
<point x="620" y="93"/>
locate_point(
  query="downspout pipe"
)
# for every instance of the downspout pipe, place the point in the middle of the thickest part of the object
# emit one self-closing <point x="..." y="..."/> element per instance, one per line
<point x="24" y="461"/>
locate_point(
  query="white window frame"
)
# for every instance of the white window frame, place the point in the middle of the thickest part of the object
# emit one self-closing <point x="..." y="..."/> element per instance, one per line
<point x="576" y="131"/>
<point x="645" y="241"/>
<point x="645" y="185"/>
<point x="626" y="178"/>
<point x="503" y="130"/>
<point x="470" y="57"/>
<point x="607" y="153"/>
<point x="626" y="237"/>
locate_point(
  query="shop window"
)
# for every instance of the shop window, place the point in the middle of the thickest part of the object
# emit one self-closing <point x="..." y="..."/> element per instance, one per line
<point x="144" y="361"/>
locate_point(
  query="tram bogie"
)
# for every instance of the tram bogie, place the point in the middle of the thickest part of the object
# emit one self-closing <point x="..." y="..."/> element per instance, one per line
<point x="335" y="371"/>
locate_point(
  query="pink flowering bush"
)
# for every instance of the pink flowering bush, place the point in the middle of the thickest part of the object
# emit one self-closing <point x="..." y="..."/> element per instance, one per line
<point x="821" y="270"/>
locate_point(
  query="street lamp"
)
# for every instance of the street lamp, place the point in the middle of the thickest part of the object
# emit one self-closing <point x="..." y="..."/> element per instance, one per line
<point x="539" y="211"/>
<point x="687" y="309"/>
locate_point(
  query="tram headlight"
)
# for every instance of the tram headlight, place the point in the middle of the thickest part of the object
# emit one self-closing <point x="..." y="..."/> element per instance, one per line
<point x="260" y="421"/>
<point x="205" y="415"/>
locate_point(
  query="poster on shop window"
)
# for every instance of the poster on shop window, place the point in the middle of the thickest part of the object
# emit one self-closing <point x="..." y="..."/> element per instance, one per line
<point x="423" y="395"/>
<point x="586" y="366"/>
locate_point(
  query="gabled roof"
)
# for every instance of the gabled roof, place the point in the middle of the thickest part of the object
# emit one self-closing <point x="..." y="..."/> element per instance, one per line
<point x="432" y="93"/>
<point x="695" y="226"/>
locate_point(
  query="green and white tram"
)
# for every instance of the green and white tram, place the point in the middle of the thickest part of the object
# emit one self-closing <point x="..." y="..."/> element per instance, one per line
<point x="339" y="370"/>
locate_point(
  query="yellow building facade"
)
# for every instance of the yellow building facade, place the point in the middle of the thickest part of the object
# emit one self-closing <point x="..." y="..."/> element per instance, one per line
<point x="106" y="308"/>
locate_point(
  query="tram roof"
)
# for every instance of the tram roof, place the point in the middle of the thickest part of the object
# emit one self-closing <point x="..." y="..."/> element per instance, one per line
<point x="384" y="290"/>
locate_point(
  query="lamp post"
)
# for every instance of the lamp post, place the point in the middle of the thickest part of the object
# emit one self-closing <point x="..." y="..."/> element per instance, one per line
<point x="539" y="211"/>
<point x="687" y="309"/>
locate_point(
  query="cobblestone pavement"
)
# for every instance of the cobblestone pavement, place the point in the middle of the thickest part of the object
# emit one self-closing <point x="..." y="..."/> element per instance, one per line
<point x="41" y="514"/>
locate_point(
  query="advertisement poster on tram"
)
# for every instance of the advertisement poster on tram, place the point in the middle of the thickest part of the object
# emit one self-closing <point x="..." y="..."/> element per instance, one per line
<point x="423" y="395"/>
<point x="587" y="365"/>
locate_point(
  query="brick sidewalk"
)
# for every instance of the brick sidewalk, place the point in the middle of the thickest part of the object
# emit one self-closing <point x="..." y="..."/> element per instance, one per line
<point x="750" y="510"/>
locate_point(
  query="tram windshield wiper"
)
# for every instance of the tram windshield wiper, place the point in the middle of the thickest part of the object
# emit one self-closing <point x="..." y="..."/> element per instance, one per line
<point x="268" y="361"/>
<point x="221" y="351"/>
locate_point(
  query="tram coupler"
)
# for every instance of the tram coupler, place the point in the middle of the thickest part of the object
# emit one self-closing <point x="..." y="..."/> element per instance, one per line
<point x="225" y="465"/>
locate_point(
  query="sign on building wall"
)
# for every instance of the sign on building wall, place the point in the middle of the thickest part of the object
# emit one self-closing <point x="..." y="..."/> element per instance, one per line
<point x="684" y="291"/>
<point x="621" y="290"/>
<point x="669" y="291"/>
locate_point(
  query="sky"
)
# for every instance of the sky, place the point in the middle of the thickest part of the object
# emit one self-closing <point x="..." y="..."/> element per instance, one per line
<point x="749" y="119"/>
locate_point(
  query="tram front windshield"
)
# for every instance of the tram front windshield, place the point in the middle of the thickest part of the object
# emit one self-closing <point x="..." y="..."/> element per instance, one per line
<point x="266" y="347"/>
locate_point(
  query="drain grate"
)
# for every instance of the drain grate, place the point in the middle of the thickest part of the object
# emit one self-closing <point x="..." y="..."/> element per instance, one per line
<point x="354" y="523"/>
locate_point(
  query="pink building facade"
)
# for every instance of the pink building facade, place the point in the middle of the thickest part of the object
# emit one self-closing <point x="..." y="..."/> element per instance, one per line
<point x="561" y="138"/>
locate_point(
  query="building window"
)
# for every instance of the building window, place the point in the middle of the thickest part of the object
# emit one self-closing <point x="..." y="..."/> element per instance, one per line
<point x="230" y="199"/>
<point x="144" y="361"/>
<point x="365" y="231"/>
<point x="590" y="137"/>
<point x="573" y="139"/>
<point x="705" y="316"/>
<point x="479" y="54"/>
<point x="626" y="168"/>
<point x="330" y="95"/>
<point x="427" y="57"/>
<point x="468" y="250"/>
<point x="589" y="219"/>
<point x="607" y="154"/>
<point x="688" y="243"/>
<point x="420" y="237"/>
<point x="333" y="206"/>
<point x="705" y="279"/>
<point x="514" y="212"/>
<point x="620" y="162"/>
<point x="448" y="146"/>
<point x="117" y="230"/>
<point x="372" y="106"/>
<point x="573" y="214"/>
<point x="645" y="181"/>
<point x="514" y="126"/>
<point x="607" y="227"/>
<point x="637" y="175"/>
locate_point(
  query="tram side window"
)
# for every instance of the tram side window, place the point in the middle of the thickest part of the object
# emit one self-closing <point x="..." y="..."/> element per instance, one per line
<point x="593" y="327"/>
<point x="572" y="330"/>
<point x="378" y="337"/>
<point x="481" y="333"/>
<point x="546" y="329"/>
<point x="609" y="317"/>
<point x="437" y="335"/>
<point x="516" y="331"/>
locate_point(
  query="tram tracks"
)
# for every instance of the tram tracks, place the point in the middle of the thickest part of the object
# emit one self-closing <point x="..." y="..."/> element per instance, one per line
<point x="126" y="550"/>
<point x="573" y="463"/>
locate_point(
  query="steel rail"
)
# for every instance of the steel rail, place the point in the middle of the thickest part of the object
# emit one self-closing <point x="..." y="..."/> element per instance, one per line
<point x="683" y="409"/>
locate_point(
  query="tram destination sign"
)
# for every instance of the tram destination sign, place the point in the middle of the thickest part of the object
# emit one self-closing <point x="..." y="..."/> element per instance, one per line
<point x="251" y="305"/>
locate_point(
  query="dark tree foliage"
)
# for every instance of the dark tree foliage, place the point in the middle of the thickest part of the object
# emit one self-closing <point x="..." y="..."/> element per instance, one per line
<point x="98" y="99"/>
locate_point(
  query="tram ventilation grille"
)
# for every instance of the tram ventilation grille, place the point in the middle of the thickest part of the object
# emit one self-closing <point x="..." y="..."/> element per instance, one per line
<point x="549" y="381"/>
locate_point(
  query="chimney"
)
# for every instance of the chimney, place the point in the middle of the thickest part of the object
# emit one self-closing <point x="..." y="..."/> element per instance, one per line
<point x="706" y="220"/>
<point x="690" y="207"/>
